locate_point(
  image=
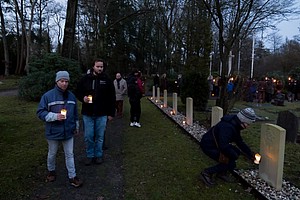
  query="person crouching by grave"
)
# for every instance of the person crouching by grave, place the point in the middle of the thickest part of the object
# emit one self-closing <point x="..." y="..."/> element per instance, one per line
<point x="58" y="109"/>
<point x="218" y="141"/>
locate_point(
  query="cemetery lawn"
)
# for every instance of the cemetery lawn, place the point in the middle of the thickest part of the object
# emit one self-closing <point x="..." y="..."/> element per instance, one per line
<point x="9" y="83"/>
<point x="159" y="160"/>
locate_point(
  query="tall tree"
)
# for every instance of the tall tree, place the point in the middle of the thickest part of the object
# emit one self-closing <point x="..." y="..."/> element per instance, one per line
<point x="70" y="27"/>
<point x="5" y="46"/>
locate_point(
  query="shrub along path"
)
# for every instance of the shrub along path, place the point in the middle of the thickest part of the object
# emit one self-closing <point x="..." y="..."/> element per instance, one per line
<point x="103" y="181"/>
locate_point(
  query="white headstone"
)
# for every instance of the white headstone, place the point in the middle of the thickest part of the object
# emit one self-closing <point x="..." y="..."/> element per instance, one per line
<point x="189" y="111"/>
<point x="153" y="92"/>
<point x="216" y="115"/>
<point x="175" y="103"/>
<point x="272" y="144"/>
<point x="165" y="98"/>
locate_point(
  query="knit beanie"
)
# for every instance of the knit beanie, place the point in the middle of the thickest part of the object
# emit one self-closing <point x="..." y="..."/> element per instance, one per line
<point x="62" y="74"/>
<point x="247" y="115"/>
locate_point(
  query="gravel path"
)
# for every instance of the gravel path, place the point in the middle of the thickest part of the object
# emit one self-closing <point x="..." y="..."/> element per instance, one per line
<point x="101" y="182"/>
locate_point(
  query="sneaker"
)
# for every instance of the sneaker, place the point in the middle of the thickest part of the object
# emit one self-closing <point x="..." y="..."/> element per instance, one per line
<point x="132" y="124"/>
<point x="98" y="161"/>
<point x="88" y="161"/>
<point x="207" y="178"/>
<point x="137" y="124"/>
<point x="51" y="176"/>
<point x="76" y="182"/>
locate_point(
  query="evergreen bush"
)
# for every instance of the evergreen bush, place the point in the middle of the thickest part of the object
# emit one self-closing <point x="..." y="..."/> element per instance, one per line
<point x="41" y="77"/>
<point x="194" y="85"/>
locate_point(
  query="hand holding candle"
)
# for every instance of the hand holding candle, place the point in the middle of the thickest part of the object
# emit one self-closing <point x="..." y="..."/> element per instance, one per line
<point x="64" y="113"/>
<point x="257" y="158"/>
<point x="90" y="97"/>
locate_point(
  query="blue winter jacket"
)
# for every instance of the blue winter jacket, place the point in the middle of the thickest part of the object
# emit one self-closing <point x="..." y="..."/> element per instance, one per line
<point x="227" y="132"/>
<point x="51" y="103"/>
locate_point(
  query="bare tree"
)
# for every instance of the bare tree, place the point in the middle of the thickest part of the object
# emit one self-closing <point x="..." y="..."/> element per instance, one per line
<point x="69" y="31"/>
<point x="236" y="20"/>
<point x="26" y="28"/>
<point x="5" y="46"/>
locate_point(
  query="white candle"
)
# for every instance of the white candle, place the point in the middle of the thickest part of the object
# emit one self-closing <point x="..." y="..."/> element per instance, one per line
<point x="183" y="122"/>
<point x="64" y="113"/>
<point x="90" y="97"/>
<point x="257" y="158"/>
<point x="171" y="112"/>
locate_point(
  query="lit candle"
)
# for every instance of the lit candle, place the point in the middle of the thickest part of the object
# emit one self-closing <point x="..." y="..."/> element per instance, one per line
<point x="171" y="112"/>
<point x="64" y="113"/>
<point x="183" y="122"/>
<point x="161" y="106"/>
<point x="90" y="97"/>
<point x="257" y="158"/>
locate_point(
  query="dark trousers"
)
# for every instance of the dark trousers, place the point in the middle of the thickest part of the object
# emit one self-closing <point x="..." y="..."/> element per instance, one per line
<point x="135" y="110"/>
<point x="219" y="168"/>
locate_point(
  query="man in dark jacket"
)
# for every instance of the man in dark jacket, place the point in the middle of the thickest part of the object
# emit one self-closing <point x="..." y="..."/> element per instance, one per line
<point x="58" y="109"/>
<point x="97" y="94"/>
<point x="219" y="139"/>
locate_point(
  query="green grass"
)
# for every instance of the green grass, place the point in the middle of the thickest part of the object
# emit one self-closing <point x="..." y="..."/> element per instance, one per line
<point x="22" y="147"/>
<point x="160" y="160"/>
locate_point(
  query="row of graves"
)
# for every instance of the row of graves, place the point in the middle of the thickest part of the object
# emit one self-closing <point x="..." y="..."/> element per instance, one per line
<point x="267" y="181"/>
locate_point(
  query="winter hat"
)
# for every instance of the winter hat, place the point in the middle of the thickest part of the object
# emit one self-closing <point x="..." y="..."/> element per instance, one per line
<point x="62" y="74"/>
<point x="247" y="115"/>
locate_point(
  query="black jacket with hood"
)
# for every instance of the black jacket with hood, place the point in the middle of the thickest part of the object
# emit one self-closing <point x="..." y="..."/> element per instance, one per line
<point x="102" y="89"/>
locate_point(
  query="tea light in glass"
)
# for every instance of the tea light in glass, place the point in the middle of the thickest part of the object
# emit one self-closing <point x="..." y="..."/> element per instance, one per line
<point x="64" y="113"/>
<point x="257" y="158"/>
<point x="90" y="97"/>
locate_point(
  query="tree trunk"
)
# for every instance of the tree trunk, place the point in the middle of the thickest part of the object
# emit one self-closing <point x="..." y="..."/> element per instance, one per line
<point x="5" y="47"/>
<point x="69" y="32"/>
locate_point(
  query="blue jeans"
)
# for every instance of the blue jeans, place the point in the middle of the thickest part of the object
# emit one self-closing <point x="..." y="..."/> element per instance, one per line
<point x="94" y="129"/>
<point x="69" y="155"/>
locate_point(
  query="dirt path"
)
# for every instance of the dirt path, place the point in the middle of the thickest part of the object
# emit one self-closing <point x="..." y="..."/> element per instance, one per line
<point x="101" y="182"/>
<point x="13" y="92"/>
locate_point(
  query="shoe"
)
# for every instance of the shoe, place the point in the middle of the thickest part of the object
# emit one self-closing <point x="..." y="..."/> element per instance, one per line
<point x="207" y="179"/>
<point x="98" y="161"/>
<point x="88" y="161"/>
<point x="76" y="182"/>
<point x="137" y="124"/>
<point x="132" y="124"/>
<point x="225" y="177"/>
<point x="51" y="176"/>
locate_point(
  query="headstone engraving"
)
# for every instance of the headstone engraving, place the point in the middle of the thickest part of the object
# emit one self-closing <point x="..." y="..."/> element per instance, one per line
<point x="272" y="144"/>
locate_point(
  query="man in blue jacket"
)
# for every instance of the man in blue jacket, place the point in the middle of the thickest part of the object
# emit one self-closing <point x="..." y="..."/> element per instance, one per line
<point x="96" y="91"/>
<point x="58" y="109"/>
<point x="219" y="139"/>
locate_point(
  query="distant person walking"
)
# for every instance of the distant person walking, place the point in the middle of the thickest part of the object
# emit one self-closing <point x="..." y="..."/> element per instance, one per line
<point x="96" y="91"/>
<point x="135" y="93"/>
<point x="121" y="90"/>
<point x="219" y="139"/>
<point x="58" y="109"/>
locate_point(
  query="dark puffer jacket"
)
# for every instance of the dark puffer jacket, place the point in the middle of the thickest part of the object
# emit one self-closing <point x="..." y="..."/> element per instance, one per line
<point x="226" y="132"/>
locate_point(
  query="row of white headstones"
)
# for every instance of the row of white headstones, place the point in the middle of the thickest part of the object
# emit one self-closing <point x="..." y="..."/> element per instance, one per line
<point x="272" y="139"/>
